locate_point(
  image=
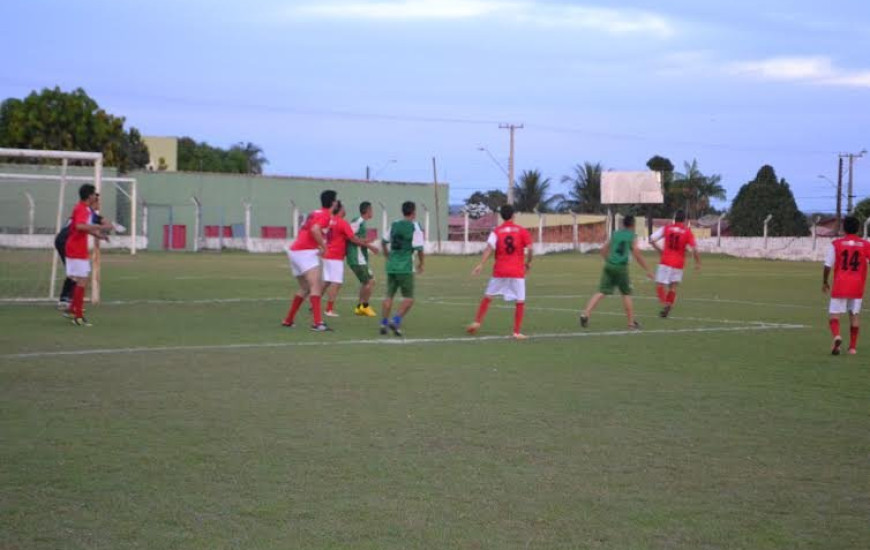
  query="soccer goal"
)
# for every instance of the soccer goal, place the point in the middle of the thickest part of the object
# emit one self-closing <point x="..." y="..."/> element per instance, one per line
<point x="38" y="190"/>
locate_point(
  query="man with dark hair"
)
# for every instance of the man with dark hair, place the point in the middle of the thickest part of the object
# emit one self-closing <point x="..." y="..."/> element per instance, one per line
<point x="404" y="238"/>
<point x="677" y="237"/>
<point x="358" y="260"/>
<point x="339" y="236"/>
<point x="510" y="242"/>
<point x="848" y="257"/>
<point x="615" y="274"/>
<point x="304" y="255"/>
<point x="78" y="264"/>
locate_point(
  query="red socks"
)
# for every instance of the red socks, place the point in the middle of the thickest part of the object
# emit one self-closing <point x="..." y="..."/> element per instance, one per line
<point x="835" y="327"/>
<point x="481" y="311"/>
<point x="315" y="308"/>
<point x="853" y="337"/>
<point x="78" y="303"/>
<point x="297" y="302"/>
<point x="518" y="316"/>
<point x="660" y="291"/>
<point x="671" y="298"/>
<point x="329" y="305"/>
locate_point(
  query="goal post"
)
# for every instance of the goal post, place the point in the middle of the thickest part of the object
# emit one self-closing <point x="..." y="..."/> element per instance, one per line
<point x="35" y="202"/>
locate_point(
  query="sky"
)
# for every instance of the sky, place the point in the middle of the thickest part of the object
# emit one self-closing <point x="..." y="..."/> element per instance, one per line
<point x="330" y="87"/>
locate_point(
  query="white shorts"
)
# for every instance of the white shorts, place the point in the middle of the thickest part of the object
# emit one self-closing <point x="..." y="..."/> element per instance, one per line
<point x="510" y="289"/>
<point x="333" y="271"/>
<point x="303" y="261"/>
<point x="843" y="305"/>
<point x="666" y="275"/>
<point x="78" y="268"/>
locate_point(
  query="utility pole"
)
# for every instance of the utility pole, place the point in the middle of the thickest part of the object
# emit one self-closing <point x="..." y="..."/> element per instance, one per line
<point x="840" y="195"/>
<point x="510" y="191"/>
<point x="851" y="157"/>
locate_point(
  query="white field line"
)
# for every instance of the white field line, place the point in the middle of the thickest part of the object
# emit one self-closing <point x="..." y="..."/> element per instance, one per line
<point x="390" y="341"/>
<point x="352" y="296"/>
<point x="577" y="311"/>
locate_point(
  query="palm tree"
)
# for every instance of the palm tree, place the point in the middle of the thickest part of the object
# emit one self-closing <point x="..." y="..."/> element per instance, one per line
<point x="255" y="158"/>
<point x="585" y="189"/>
<point x="530" y="193"/>
<point x="696" y="189"/>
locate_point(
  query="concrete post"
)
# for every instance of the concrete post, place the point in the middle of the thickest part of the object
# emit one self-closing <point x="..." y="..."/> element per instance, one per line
<point x="575" y="231"/>
<point x="247" y="226"/>
<point x="31" y="212"/>
<point x="541" y="231"/>
<point x="465" y="233"/>
<point x="766" y="221"/>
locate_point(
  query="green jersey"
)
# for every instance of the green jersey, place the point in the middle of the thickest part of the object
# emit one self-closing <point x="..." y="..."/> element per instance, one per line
<point x="358" y="255"/>
<point x="621" y="243"/>
<point x="404" y="237"/>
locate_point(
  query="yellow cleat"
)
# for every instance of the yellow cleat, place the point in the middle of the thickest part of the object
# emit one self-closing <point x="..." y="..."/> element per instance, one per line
<point x="369" y="312"/>
<point x="358" y="310"/>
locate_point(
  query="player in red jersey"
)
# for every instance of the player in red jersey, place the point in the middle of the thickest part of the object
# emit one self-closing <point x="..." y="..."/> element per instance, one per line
<point x="304" y="255"/>
<point x="78" y="264"/>
<point x="848" y="257"/>
<point x="510" y="242"/>
<point x="677" y="237"/>
<point x="337" y="236"/>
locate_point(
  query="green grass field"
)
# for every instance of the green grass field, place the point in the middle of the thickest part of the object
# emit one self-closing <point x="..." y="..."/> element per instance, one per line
<point x="186" y="417"/>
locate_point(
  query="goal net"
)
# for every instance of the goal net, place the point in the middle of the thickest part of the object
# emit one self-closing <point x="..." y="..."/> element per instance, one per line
<point x="38" y="190"/>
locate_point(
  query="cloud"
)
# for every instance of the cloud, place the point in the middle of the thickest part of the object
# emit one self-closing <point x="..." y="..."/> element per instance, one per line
<point x="817" y="69"/>
<point x="607" y="20"/>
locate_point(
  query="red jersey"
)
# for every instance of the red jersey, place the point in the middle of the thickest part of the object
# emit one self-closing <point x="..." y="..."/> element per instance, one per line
<point x="77" y="243"/>
<point x="848" y="256"/>
<point x="676" y="238"/>
<point x="509" y="241"/>
<point x="336" y="238"/>
<point x="305" y="241"/>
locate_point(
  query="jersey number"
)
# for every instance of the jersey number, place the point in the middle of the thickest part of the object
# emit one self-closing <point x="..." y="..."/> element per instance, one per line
<point x="620" y="249"/>
<point x="674" y="241"/>
<point x="509" y="246"/>
<point x="854" y="263"/>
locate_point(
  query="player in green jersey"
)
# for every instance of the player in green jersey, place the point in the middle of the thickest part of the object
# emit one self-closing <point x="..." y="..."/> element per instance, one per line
<point x="616" y="252"/>
<point x="358" y="261"/>
<point x="400" y="243"/>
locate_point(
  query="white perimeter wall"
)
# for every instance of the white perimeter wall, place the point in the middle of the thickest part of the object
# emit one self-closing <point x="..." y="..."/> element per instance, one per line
<point x="774" y="248"/>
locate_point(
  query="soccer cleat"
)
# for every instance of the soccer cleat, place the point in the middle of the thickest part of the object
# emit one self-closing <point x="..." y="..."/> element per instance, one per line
<point x="63" y="305"/>
<point x="383" y="330"/>
<point x="519" y="336"/>
<point x="584" y="321"/>
<point x="473" y="328"/>
<point x="634" y="326"/>
<point x="853" y="351"/>
<point x="369" y="312"/>
<point x="321" y="328"/>
<point x="288" y="324"/>
<point x="331" y="313"/>
<point x="81" y="322"/>
<point x="358" y="310"/>
<point x="665" y="311"/>
<point x="835" y="348"/>
<point x="69" y="314"/>
<point x="397" y="330"/>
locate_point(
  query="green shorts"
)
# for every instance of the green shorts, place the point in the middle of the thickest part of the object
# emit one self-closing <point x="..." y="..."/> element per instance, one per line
<point x="615" y="276"/>
<point x="400" y="281"/>
<point x="363" y="273"/>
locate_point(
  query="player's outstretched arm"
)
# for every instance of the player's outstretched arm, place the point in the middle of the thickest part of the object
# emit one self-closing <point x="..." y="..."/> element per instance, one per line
<point x="364" y="244"/>
<point x="529" y="256"/>
<point x="635" y="251"/>
<point x="487" y="252"/>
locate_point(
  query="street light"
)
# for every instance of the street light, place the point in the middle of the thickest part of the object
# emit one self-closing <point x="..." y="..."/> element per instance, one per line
<point x="369" y="174"/>
<point x="494" y="160"/>
<point x="829" y="180"/>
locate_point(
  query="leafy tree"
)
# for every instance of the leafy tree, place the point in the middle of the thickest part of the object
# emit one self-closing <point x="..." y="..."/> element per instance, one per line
<point x="70" y="121"/>
<point x="665" y="167"/>
<point x="492" y="199"/>
<point x="862" y="211"/>
<point x="696" y="190"/>
<point x="530" y="193"/>
<point x="584" y="195"/>
<point x="762" y="196"/>
<point x="241" y="158"/>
